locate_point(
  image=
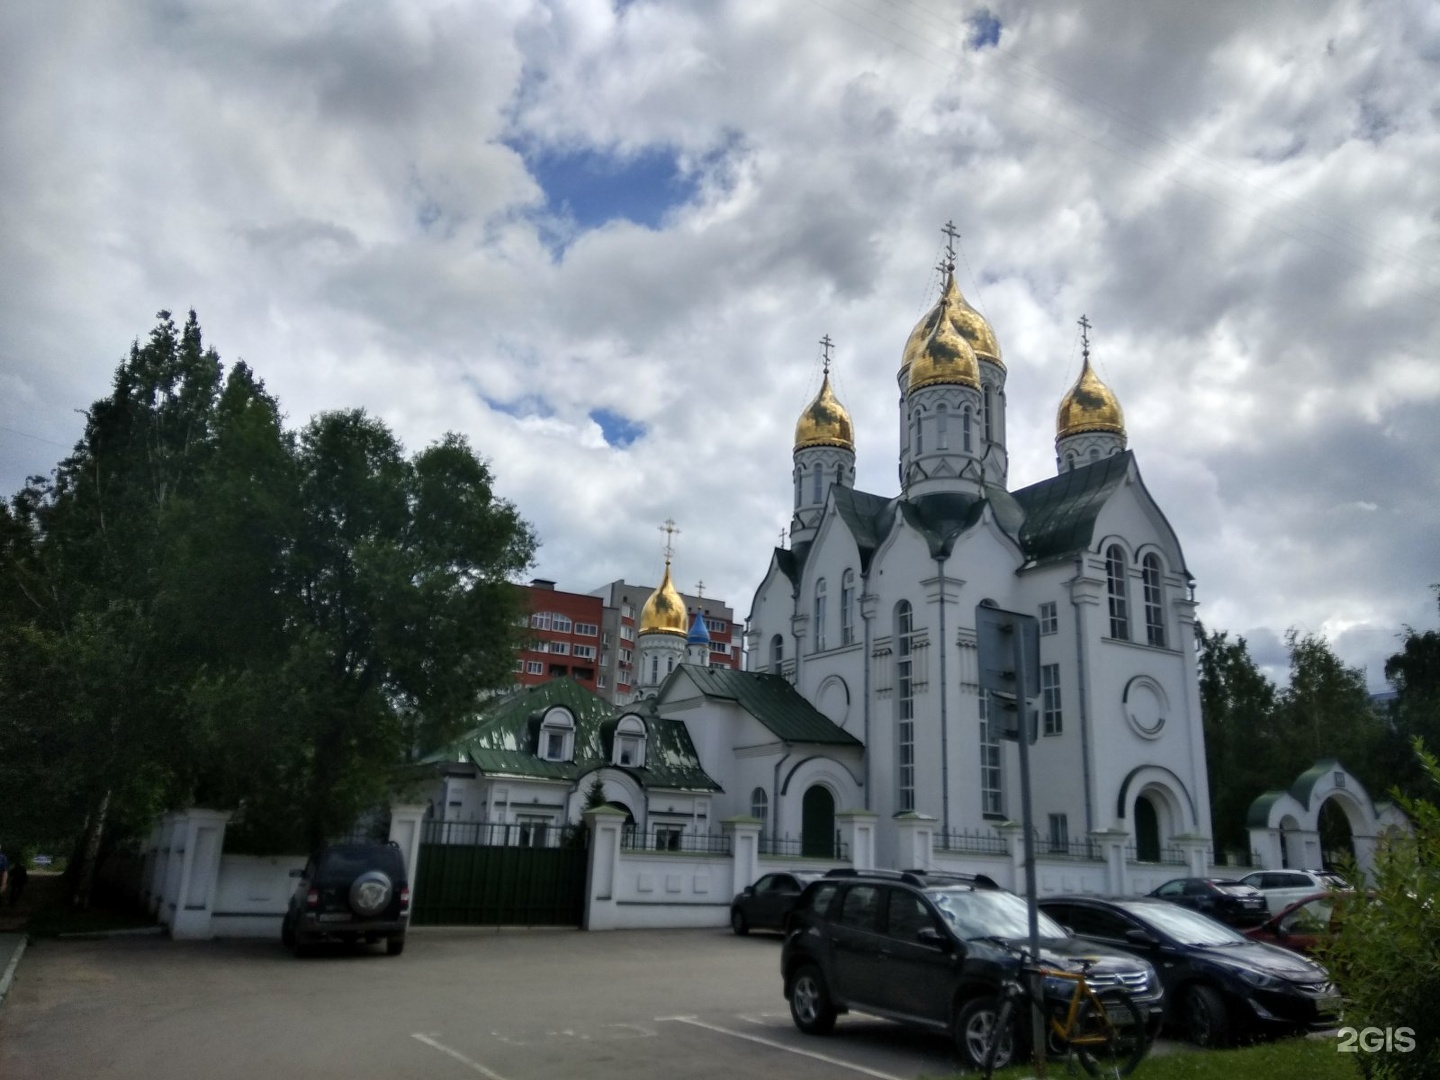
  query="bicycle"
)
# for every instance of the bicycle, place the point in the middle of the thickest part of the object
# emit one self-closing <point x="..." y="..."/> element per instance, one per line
<point x="1104" y="1030"/>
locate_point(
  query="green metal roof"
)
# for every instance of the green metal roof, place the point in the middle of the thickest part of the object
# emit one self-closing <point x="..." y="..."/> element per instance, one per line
<point x="868" y="517"/>
<point x="505" y="740"/>
<point x="1060" y="512"/>
<point x="773" y="701"/>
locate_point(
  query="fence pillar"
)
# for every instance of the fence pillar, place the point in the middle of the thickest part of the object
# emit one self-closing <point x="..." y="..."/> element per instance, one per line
<point x="406" y="830"/>
<point x="602" y="874"/>
<point x="1014" y="835"/>
<point x="857" y="832"/>
<point x="1196" y="849"/>
<point x="1117" y="870"/>
<point x="203" y="833"/>
<point x="744" y="833"/>
<point x="915" y="840"/>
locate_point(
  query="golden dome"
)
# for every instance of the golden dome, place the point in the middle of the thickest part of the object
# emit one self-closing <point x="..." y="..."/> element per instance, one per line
<point x="825" y="422"/>
<point x="954" y="310"/>
<point x="664" y="612"/>
<point x="1089" y="406"/>
<point x="944" y="355"/>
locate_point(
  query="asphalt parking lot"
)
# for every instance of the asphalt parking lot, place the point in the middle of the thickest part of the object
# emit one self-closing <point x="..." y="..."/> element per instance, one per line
<point x="509" y="1005"/>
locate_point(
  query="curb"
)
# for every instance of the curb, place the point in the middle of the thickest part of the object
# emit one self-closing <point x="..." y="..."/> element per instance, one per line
<point x="9" y="976"/>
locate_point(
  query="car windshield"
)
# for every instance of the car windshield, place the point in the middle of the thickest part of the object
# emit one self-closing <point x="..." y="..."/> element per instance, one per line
<point x="978" y="913"/>
<point x="1235" y="888"/>
<point x="1184" y="925"/>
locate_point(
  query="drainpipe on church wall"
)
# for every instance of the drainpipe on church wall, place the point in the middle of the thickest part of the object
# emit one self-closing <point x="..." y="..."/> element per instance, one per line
<point x="866" y="616"/>
<point x="944" y="712"/>
<point x="775" y="801"/>
<point x="1082" y="693"/>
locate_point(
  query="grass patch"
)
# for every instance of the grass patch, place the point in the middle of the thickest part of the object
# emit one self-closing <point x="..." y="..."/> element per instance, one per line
<point x="44" y="911"/>
<point x="1286" y="1059"/>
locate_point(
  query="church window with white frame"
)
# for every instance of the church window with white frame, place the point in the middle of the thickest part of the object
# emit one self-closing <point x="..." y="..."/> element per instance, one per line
<point x="760" y="806"/>
<point x="992" y="771"/>
<point x="919" y="432"/>
<point x="905" y="704"/>
<point x="818" y="478"/>
<point x="847" y="608"/>
<point x="1154" y="600"/>
<point x="777" y="654"/>
<point x="1049" y="617"/>
<point x="557" y="735"/>
<point x="942" y="427"/>
<point x="966" y="434"/>
<point x="1115" y="591"/>
<point x="820" y="615"/>
<point x="629" y="747"/>
<point x="1050" y="719"/>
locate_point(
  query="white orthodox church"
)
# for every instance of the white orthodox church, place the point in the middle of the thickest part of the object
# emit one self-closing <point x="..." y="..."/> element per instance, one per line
<point x="862" y="691"/>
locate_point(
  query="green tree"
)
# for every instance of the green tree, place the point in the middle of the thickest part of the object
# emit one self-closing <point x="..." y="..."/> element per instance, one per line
<point x="1243" y="751"/>
<point x="1414" y="672"/>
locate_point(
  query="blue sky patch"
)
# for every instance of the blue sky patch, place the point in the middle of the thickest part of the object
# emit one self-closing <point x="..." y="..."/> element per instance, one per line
<point x="984" y="30"/>
<point x="592" y="186"/>
<point x="619" y="431"/>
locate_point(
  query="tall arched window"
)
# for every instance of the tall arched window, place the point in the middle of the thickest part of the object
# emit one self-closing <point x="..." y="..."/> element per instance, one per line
<point x="965" y="424"/>
<point x="919" y="432"/>
<point x="1154" y="600"/>
<point x="760" y="807"/>
<point x="905" y="705"/>
<point x="817" y="478"/>
<point x="820" y="615"/>
<point x="942" y="427"/>
<point x="847" y="608"/>
<point x="989" y="417"/>
<point x="777" y="654"/>
<point x="1115" y="589"/>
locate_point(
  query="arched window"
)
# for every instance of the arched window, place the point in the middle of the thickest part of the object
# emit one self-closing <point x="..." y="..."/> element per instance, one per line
<point x="1115" y="589"/>
<point x="919" y="432"/>
<point x="820" y="615"/>
<point x="557" y="735"/>
<point x="942" y="427"/>
<point x="905" y="705"/>
<point x="817" y="478"/>
<point x="777" y="654"/>
<point x="654" y="669"/>
<point x="629" y="743"/>
<point x="965" y="424"/>
<point x="989" y="418"/>
<point x="1154" y="600"/>
<point x="760" y="807"/>
<point x="1070" y="460"/>
<point x="847" y="608"/>
<point x="799" y="484"/>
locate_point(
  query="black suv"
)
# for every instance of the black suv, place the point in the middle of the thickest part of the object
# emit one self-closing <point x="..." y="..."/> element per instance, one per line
<point x="349" y="892"/>
<point x="929" y="949"/>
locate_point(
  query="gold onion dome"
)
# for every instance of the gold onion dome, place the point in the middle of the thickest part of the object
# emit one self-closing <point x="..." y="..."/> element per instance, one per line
<point x="1089" y="406"/>
<point x="825" y="422"/>
<point x="955" y="312"/>
<point x="944" y="357"/>
<point x="664" y="612"/>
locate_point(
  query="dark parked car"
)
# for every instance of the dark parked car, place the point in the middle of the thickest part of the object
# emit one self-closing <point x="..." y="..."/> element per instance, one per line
<point x="349" y="892"/>
<point x="1219" y="985"/>
<point x="1229" y="901"/>
<point x="767" y="904"/>
<point x="1305" y="925"/>
<point x="929" y="950"/>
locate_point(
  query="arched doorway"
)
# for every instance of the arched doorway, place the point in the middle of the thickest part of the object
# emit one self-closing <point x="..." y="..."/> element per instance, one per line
<point x="1147" y="830"/>
<point x="817" y="823"/>
<point x="1292" y="854"/>
<point x="1337" y="840"/>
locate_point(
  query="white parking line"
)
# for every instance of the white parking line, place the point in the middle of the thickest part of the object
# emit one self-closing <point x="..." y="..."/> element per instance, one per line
<point x="694" y="1021"/>
<point x="430" y="1040"/>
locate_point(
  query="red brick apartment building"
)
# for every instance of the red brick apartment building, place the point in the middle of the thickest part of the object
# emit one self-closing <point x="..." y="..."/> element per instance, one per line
<point x="564" y="637"/>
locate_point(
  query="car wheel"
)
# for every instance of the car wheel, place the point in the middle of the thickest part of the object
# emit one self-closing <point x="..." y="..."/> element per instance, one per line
<point x="975" y="1023"/>
<point x="370" y="893"/>
<point x="287" y="933"/>
<point x="810" y="1004"/>
<point x="738" y="923"/>
<point x="395" y="945"/>
<point x="1207" y="1022"/>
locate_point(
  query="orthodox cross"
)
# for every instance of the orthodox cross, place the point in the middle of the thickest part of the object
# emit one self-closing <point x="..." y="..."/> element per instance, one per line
<point x="670" y="531"/>
<point x="826" y="345"/>
<point x="700" y="590"/>
<point x="782" y="538"/>
<point x="951" y="235"/>
<point x="1085" y="336"/>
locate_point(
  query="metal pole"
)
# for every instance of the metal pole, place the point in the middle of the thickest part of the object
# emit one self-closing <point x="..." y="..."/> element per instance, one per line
<point x="1022" y="711"/>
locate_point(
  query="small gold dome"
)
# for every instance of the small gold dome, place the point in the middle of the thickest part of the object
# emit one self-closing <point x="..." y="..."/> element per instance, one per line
<point x="954" y="310"/>
<point x="825" y="422"/>
<point x="1089" y="406"/>
<point x="944" y="357"/>
<point x="664" y="612"/>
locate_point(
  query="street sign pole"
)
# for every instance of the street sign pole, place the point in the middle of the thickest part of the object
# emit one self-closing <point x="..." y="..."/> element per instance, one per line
<point x="1022" y="707"/>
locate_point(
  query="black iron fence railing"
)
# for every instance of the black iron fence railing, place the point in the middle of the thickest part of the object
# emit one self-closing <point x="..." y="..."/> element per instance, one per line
<point x="674" y="838"/>
<point x="972" y="841"/>
<point x="491" y="834"/>
<point x="805" y="848"/>
<point x="1165" y="856"/>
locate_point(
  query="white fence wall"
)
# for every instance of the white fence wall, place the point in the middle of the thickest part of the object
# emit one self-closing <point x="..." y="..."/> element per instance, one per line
<point x="252" y="893"/>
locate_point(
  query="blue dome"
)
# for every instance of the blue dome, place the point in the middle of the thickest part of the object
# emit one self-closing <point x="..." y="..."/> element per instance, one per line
<point x="698" y="634"/>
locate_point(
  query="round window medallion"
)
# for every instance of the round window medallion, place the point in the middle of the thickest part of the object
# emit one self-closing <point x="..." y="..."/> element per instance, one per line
<point x="1145" y="705"/>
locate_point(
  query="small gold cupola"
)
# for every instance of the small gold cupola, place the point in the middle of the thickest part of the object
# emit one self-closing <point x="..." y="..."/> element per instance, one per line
<point x="664" y="612"/>
<point x="825" y="421"/>
<point x="944" y="356"/>
<point x="954" y="313"/>
<point x="1090" y="405"/>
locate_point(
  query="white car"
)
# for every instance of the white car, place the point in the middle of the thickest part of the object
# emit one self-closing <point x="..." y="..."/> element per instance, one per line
<point x="1283" y="887"/>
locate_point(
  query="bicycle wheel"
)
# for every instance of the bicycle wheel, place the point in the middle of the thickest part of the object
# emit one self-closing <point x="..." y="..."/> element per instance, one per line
<point x="1000" y="1049"/>
<point x="1110" y="1035"/>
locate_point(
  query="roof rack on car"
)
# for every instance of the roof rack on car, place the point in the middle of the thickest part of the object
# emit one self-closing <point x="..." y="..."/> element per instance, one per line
<point x="917" y="877"/>
<point x="980" y="881"/>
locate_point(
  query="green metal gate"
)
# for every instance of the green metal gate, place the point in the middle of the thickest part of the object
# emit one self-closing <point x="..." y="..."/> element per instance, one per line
<point x="500" y="875"/>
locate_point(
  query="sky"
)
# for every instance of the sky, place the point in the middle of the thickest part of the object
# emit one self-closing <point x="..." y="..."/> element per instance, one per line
<point x="603" y="241"/>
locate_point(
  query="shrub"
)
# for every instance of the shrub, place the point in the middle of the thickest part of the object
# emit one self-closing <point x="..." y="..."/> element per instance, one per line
<point x="1386" y="957"/>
